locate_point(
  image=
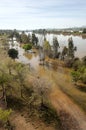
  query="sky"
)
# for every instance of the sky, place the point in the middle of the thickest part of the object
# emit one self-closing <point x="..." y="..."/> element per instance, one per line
<point x="36" y="14"/>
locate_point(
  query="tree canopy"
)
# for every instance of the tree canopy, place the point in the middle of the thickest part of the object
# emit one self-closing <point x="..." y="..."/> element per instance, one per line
<point x="27" y="47"/>
<point x="13" y="53"/>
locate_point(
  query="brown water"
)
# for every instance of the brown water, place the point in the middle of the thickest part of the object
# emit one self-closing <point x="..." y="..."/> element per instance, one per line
<point x="79" y="42"/>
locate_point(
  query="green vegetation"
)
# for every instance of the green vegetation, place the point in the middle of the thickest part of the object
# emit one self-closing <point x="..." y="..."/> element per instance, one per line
<point x="27" y="47"/>
<point x="71" y="48"/>
<point x="13" y="53"/>
<point x="46" y="47"/>
<point x="24" y="38"/>
<point x="4" y="115"/>
<point x="34" y="39"/>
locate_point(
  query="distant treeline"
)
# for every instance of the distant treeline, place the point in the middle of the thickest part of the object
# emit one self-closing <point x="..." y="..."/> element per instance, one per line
<point x="68" y="31"/>
<point x="61" y="31"/>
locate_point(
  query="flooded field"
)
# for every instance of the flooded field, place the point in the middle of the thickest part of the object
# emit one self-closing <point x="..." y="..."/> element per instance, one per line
<point x="79" y="42"/>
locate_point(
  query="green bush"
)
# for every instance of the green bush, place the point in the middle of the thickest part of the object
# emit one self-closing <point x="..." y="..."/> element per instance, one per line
<point x="4" y="114"/>
<point x="75" y="75"/>
<point x="27" y="47"/>
<point x="13" y="53"/>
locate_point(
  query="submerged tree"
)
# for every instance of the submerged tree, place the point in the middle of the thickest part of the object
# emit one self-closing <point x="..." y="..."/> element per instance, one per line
<point x="64" y="52"/>
<point x="55" y="46"/>
<point x="34" y="39"/>
<point x="46" y="47"/>
<point x="71" y="48"/>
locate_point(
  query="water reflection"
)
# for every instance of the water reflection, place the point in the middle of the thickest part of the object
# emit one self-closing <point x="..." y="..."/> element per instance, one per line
<point x="30" y="59"/>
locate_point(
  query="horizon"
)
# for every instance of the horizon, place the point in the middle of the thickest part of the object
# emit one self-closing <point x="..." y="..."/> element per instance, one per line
<point x="52" y="14"/>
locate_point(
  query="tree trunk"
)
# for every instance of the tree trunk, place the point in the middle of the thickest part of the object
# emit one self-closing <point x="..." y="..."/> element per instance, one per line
<point x="21" y="91"/>
<point x="4" y="95"/>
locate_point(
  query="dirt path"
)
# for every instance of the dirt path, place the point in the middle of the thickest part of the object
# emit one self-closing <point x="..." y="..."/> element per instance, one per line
<point x="61" y="101"/>
<point x="21" y="123"/>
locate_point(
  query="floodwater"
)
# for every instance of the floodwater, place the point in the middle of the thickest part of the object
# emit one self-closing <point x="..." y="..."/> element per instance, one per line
<point x="33" y="59"/>
<point x="78" y="41"/>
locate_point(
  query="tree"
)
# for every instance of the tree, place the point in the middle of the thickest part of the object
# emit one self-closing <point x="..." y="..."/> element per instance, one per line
<point x="41" y="55"/>
<point x="46" y="47"/>
<point x="21" y="72"/>
<point x="29" y="38"/>
<point x="4" y="80"/>
<point x="55" y="46"/>
<point x="24" y="38"/>
<point x="71" y="48"/>
<point x="34" y="39"/>
<point x="10" y="65"/>
<point x="27" y="47"/>
<point x="64" y="52"/>
<point x="13" y="53"/>
<point x="42" y="87"/>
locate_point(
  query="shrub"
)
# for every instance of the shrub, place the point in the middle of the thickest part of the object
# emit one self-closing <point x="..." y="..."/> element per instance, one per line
<point x="4" y="114"/>
<point x="27" y="47"/>
<point x="13" y="53"/>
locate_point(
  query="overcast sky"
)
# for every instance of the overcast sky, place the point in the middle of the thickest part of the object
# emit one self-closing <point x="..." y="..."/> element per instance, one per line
<point x="34" y="14"/>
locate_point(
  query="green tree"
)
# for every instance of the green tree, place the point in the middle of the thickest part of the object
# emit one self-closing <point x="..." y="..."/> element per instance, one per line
<point x="13" y="53"/>
<point x="27" y="47"/>
<point x="34" y="39"/>
<point x="64" y="52"/>
<point x="21" y="73"/>
<point x="46" y="47"/>
<point x="4" y="80"/>
<point x="71" y="48"/>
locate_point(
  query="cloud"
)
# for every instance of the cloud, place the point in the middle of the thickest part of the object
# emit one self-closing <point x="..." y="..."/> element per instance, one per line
<point x="42" y="13"/>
